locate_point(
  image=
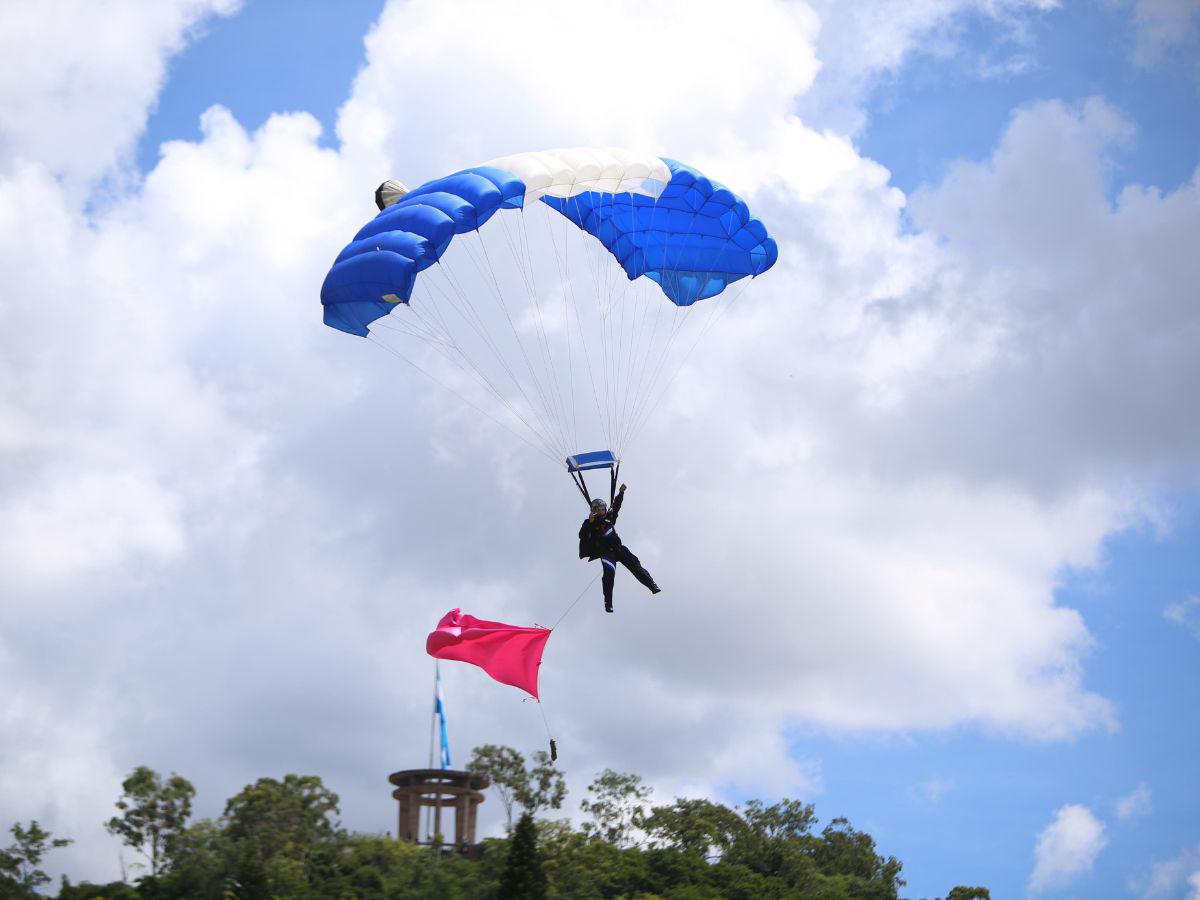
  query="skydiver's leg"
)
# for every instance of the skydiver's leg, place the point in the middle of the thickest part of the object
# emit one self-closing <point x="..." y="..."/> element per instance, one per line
<point x="634" y="565"/>
<point x="609" y="566"/>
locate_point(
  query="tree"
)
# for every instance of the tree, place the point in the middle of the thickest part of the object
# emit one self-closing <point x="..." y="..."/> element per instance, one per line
<point x="153" y="813"/>
<point x="201" y="861"/>
<point x="694" y="826"/>
<point x="505" y="768"/>
<point x="19" y="863"/>
<point x="617" y="807"/>
<point x="846" y="851"/>
<point x="523" y="878"/>
<point x="969" y="893"/>
<point x="284" y="835"/>
<point x="543" y="786"/>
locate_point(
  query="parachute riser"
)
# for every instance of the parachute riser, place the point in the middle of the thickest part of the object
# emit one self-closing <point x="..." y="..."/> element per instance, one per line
<point x="577" y="477"/>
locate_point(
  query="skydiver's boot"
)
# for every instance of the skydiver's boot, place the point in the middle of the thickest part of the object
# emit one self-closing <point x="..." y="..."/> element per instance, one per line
<point x="607" y="605"/>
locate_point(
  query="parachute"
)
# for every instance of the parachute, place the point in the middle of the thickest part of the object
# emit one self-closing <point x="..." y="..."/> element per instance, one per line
<point x="502" y="283"/>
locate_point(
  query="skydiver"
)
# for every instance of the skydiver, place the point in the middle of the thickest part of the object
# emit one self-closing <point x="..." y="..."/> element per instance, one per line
<point x="598" y="538"/>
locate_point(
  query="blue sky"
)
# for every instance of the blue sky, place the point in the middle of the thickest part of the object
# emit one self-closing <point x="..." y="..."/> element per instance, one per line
<point x="959" y="790"/>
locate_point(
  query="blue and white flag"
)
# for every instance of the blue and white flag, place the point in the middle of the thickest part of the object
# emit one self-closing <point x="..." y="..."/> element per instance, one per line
<point x="440" y="711"/>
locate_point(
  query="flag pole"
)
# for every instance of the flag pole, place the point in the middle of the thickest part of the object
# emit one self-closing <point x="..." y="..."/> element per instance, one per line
<point x="433" y="713"/>
<point x="432" y="729"/>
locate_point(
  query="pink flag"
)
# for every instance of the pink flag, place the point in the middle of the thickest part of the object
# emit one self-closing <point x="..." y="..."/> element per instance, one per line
<point x="508" y="653"/>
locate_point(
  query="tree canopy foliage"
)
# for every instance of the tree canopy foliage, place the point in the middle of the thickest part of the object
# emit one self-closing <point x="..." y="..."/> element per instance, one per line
<point x="282" y="839"/>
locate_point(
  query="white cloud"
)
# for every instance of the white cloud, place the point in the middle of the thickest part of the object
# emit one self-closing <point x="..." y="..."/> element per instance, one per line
<point x="1163" y="26"/>
<point x="1088" y="299"/>
<point x="1169" y="878"/>
<point x="80" y="78"/>
<point x="1185" y="613"/>
<point x="1136" y="804"/>
<point x="932" y="790"/>
<point x="860" y="495"/>
<point x="1067" y="847"/>
<point x="868" y="42"/>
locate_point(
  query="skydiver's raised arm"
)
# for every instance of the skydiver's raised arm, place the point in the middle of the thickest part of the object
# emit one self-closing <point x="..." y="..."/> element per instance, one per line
<point x="616" y="507"/>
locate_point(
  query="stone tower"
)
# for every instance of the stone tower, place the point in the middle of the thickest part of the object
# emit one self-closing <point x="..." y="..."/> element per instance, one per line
<point x="444" y="791"/>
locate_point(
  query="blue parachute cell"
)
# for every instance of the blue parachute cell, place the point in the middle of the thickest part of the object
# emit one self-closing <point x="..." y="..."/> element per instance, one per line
<point x="694" y="239"/>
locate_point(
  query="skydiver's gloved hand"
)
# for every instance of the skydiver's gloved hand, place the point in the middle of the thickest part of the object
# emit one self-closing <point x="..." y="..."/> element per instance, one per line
<point x="622" y="489"/>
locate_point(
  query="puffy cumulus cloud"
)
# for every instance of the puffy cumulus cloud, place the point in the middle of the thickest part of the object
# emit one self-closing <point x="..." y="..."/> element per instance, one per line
<point x="266" y="517"/>
<point x="1175" y="877"/>
<point x="517" y="79"/>
<point x="1067" y="847"/>
<point x="1087" y="299"/>
<point x="81" y="77"/>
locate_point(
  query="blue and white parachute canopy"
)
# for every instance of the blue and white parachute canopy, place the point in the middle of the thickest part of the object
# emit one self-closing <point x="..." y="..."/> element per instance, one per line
<point x="655" y="216"/>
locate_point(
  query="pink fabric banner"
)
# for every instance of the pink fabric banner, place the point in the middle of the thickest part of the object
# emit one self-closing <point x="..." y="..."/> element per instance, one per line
<point x="508" y="653"/>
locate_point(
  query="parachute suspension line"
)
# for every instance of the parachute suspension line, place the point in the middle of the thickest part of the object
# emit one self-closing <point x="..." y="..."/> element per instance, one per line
<point x="636" y="352"/>
<point x="544" y="412"/>
<point x="601" y="313"/>
<point x="626" y="330"/>
<point x="673" y="325"/>
<point x="640" y="354"/>
<point x="438" y="381"/>
<point x="487" y="271"/>
<point x="629" y="346"/>
<point x="481" y="331"/>
<point x="446" y="346"/>
<point x="646" y="407"/>
<point x="569" y="291"/>
<point x="650" y="297"/>
<point x="680" y="320"/>
<point x="525" y="267"/>
<point x="458" y="358"/>
<point x="484" y="334"/>
<point x="545" y="353"/>
<point x="566" y="331"/>
<point x="604" y="307"/>
<point x="616" y="321"/>
<point x="523" y="250"/>
<point x="712" y="320"/>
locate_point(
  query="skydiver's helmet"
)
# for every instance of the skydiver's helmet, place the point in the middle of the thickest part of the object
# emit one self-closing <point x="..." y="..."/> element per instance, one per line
<point x="388" y="193"/>
<point x="599" y="507"/>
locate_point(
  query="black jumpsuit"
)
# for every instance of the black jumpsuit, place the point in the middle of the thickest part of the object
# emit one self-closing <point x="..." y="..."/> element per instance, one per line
<point x="598" y="538"/>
